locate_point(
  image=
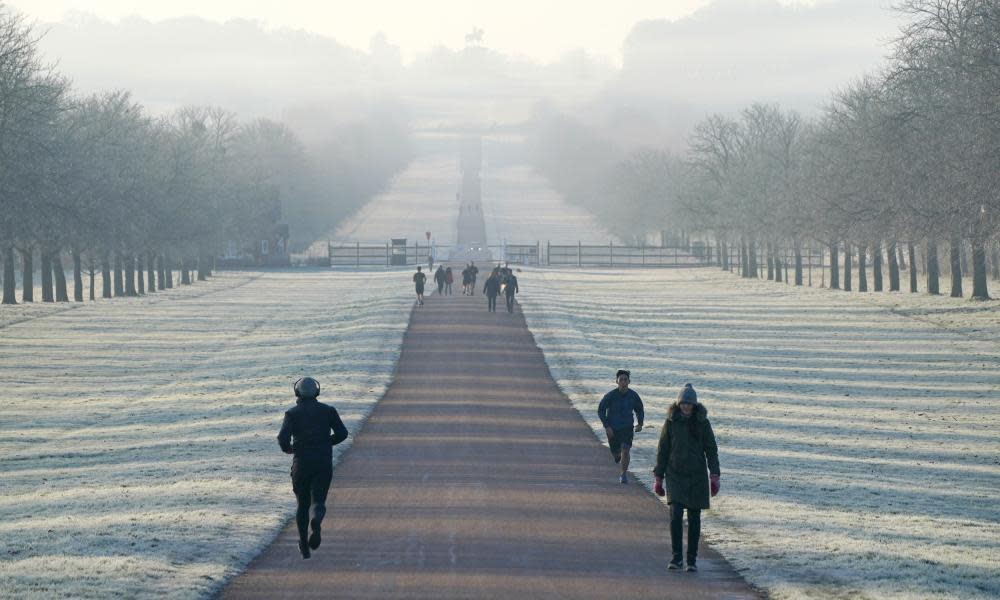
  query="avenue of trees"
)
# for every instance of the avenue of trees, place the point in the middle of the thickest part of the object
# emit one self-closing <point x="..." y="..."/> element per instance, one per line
<point x="902" y="167"/>
<point x="134" y="201"/>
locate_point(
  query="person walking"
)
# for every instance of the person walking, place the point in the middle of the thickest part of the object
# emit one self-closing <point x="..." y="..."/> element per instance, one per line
<point x="305" y="434"/>
<point x="449" y="278"/>
<point x="439" y="279"/>
<point x="473" y="272"/>
<point x="687" y="471"/>
<point x="492" y="289"/>
<point x="419" y="278"/>
<point x="615" y="411"/>
<point x="466" y="277"/>
<point x="509" y="289"/>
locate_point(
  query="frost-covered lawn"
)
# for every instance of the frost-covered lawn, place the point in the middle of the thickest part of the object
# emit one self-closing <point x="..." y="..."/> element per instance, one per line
<point x="137" y="450"/>
<point x="860" y="448"/>
<point x="421" y="199"/>
<point x="518" y="206"/>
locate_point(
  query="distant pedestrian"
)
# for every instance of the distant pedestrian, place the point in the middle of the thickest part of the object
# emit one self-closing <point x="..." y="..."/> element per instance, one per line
<point x="466" y="278"/>
<point x="305" y="433"/>
<point x="439" y="279"/>
<point x="473" y="272"/>
<point x="491" y="288"/>
<point x="686" y="455"/>
<point x="449" y="278"/>
<point x="419" y="278"/>
<point x="509" y="289"/>
<point x="616" y="413"/>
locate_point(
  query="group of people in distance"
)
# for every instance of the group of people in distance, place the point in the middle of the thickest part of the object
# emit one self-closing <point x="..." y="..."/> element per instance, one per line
<point x="501" y="281"/>
<point x="687" y="458"/>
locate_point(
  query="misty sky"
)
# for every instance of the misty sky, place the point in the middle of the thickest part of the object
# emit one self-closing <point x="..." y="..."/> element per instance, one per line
<point x="542" y="30"/>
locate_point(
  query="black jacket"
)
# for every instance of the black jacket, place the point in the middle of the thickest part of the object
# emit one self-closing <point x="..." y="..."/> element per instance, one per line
<point x="492" y="286"/>
<point x="305" y="431"/>
<point x="511" y="286"/>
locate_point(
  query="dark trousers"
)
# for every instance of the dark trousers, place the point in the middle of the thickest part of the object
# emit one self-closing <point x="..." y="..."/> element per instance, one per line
<point x="492" y="302"/>
<point x="510" y="303"/>
<point x="677" y="531"/>
<point x="440" y="287"/>
<point x="311" y="483"/>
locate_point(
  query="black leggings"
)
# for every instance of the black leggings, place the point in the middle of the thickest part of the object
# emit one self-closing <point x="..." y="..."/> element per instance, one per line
<point x="311" y="483"/>
<point x="677" y="531"/>
<point x="510" y="302"/>
<point x="492" y="303"/>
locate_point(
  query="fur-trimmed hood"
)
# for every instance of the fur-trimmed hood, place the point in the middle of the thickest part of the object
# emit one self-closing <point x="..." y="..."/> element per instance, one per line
<point x="700" y="412"/>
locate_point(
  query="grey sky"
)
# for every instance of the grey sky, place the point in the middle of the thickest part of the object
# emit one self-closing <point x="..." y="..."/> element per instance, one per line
<point x="539" y="29"/>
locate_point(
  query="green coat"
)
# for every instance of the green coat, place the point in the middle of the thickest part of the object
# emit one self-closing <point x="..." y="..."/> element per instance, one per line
<point x="684" y="459"/>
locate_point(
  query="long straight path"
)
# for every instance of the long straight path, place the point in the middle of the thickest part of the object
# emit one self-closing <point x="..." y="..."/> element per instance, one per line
<point x="475" y="478"/>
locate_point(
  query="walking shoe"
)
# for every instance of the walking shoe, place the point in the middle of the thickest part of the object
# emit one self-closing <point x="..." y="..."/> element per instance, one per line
<point x="623" y="478"/>
<point x="675" y="564"/>
<point x="314" y="539"/>
<point x="691" y="568"/>
<point x="304" y="549"/>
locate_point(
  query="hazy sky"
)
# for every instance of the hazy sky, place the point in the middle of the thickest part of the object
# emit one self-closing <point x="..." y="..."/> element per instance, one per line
<point x="539" y="29"/>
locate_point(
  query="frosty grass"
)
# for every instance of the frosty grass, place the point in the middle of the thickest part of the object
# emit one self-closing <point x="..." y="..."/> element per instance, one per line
<point x="860" y="448"/>
<point x="137" y="436"/>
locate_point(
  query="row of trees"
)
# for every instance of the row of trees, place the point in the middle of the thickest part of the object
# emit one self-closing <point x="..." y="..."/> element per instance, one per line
<point x="136" y="198"/>
<point x="899" y="163"/>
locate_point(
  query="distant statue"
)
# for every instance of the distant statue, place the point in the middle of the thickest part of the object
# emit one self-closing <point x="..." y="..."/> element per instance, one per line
<point x="475" y="37"/>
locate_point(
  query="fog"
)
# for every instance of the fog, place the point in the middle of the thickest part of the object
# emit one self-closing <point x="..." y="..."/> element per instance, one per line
<point x="666" y="74"/>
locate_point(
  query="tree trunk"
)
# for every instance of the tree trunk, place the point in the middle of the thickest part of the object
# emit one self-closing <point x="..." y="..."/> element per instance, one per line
<point x="168" y="268"/>
<point x="202" y="267"/>
<point x="893" y="268"/>
<point x="798" y="264"/>
<point x="862" y="268"/>
<point x="105" y="276"/>
<point x="130" y="276"/>
<point x="185" y="272"/>
<point x="752" y="251"/>
<point x="119" y="284"/>
<point x="979" y="291"/>
<point x="744" y="259"/>
<point x="9" y="282"/>
<point x="913" y="266"/>
<point x="151" y="271"/>
<point x="769" y="249"/>
<point x="933" y="269"/>
<point x="27" y="274"/>
<point x="877" y="265"/>
<point x="955" y="256"/>
<point x="60" y="273"/>
<point x="46" y="265"/>
<point x="848" y="266"/>
<point x="140" y="284"/>
<point x="161" y="273"/>
<point x="78" y="276"/>
<point x="777" y="269"/>
<point x="834" y="267"/>
<point x="902" y="258"/>
<point x="92" y="282"/>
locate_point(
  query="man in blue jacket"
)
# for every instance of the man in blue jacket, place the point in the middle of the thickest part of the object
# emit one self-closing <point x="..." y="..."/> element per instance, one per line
<point x="305" y="433"/>
<point x="615" y="411"/>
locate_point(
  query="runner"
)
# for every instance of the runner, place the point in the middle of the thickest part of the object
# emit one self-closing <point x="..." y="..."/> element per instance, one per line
<point x="615" y="412"/>
<point x="685" y="456"/>
<point x="305" y="433"/>
<point x="418" y="279"/>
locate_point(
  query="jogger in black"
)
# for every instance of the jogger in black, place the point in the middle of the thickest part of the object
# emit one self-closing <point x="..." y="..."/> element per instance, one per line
<point x="305" y="433"/>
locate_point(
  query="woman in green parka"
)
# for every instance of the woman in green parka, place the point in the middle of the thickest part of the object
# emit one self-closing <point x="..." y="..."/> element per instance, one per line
<point x="685" y="456"/>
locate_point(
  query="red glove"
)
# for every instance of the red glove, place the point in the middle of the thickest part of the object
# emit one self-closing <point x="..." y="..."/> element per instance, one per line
<point x="715" y="485"/>
<point x="658" y="488"/>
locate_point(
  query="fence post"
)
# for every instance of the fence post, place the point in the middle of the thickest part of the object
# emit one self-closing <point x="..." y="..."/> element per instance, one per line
<point x="611" y="246"/>
<point x="357" y="261"/>
<point x="388" y="258"/>
<point x="579" y="253"/>
<point x="329" y="252"/>
<point x="643" y="254"/>
<point x="548" y="253"/>
<point x="538" y="253"/>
